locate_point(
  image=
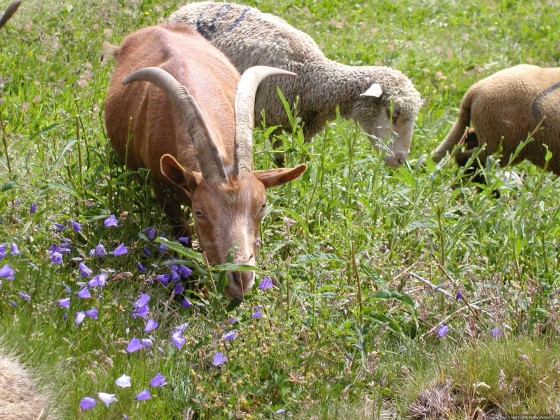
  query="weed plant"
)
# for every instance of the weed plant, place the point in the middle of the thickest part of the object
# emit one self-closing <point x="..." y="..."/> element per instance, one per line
<point x="360" y="253"/>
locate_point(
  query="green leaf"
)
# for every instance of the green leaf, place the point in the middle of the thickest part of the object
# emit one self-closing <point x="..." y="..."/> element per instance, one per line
<point x="222" y="281"/>
<point x="317" y="258"/>
<point x="394" y="295"/>
<point x="374" y="276"/>
<point x="64" y="150"/>
<point x="65" y="188"/>
<point x="235" y="267"/>
<point x="384" y="320"/>
<point x="181" y="250"/>
<point x="8" y="186"/>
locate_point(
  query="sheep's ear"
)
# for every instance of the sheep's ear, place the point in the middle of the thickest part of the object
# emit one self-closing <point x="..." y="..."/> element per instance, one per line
<point x="274" y="177"/>
<point x="174" y="172"/>
<point x="374" y="90"/>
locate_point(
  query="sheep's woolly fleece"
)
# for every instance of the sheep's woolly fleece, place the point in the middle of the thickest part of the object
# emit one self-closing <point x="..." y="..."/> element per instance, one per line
<point x="507" y="108"/>
<point x="19" y="396"/>
<point x="249" y="37"/>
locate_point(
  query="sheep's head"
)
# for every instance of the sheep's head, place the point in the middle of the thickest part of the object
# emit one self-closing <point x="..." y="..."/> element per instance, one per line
<point x="227" y="207"/>
<point x="388" y="116"/>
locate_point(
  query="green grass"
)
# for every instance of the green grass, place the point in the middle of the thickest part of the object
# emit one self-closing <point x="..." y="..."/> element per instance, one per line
<point x="349" y="320"/>
<point x="515" y="376"/>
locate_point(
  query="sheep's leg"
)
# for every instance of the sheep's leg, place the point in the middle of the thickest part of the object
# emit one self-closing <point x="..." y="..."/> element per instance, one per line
<point x="471" y="142"/>
<point x="457" y="131"/>
<point x="171" y="205"/>
<point x="452" y="139"/>
<point x="462" y="158"/>
<point x="279" y="157"/>
<point x="473" y="172"/>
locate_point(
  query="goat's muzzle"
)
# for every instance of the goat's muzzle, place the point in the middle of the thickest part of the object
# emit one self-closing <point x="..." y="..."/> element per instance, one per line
<point x="239" y="283"/>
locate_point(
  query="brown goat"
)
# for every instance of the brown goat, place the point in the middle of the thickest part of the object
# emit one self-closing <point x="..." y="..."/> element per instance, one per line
<point x="191" y="126"/>
<point x="9" y="12"/>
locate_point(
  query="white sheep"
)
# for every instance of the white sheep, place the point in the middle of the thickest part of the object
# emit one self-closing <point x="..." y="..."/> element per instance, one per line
<point x="503" y="111"/>
<point x="19" y="396"/>
<point x="382" y="100"/>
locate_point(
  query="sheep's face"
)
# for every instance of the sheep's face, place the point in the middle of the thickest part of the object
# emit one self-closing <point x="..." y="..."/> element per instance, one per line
<point x="388" y="130"/>
<point x="227" y="215"/>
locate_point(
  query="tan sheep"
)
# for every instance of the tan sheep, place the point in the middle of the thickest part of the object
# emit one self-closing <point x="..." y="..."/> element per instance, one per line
<point x="19" y="397"/>
<point x="504" y="110"/>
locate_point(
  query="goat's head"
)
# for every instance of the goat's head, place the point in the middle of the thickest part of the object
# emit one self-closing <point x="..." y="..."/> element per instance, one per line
<point x="9" y="12"/>
<point x="227" y="204"/>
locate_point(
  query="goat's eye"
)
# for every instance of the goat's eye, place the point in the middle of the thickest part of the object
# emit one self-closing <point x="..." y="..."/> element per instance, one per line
<point x="198" y="213"/>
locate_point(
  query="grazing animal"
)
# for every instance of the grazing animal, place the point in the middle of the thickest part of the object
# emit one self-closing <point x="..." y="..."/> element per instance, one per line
<point x="382" y="100"/>
<point x="19" y="396"/>
<point x="10" y="10"/>
<point x="505" y="109"/>
<point x="190" y="123"/>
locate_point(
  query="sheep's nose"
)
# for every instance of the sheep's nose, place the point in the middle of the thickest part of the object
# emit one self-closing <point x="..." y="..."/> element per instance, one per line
<point x="393" y="161"/>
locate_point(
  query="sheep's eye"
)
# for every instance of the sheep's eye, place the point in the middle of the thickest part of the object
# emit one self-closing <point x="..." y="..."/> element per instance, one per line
<point x="198" y="213"/>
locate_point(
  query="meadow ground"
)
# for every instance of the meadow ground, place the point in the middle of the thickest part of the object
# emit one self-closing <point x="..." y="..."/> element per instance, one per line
<point x="352" y="327"/>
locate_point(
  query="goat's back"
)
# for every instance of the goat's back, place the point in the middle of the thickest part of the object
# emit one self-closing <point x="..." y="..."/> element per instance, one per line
<point x="140" y="115"/>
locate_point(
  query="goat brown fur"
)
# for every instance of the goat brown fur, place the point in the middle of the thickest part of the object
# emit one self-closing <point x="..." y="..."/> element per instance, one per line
<point x="205" y="164"/>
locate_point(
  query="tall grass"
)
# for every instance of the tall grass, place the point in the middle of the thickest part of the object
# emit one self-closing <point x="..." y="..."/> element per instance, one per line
<point x="347" y="243"/>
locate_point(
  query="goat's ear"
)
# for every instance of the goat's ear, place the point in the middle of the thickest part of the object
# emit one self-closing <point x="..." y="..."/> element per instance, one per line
<point x="279" y="176"/>
<point x="178" y="175"/>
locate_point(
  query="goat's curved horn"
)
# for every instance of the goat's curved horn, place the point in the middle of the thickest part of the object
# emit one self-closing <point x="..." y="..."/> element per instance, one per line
<point x="245" y="113"/>
<point x="207" y="155"/>
<point x="9" y="12"/>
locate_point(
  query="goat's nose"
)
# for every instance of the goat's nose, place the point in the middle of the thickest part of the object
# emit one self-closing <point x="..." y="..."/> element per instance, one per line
<point x="239" y="283"/>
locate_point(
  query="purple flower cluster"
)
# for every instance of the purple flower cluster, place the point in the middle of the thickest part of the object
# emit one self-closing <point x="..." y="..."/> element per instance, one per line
<point x="496" y="333"/>
<point x="266" y="283"/>
<point x="124" y="381"/>
<point x="138" y="344"/>
<point x="177" y="272"/>
<point x="88" y="284"/>
<point x="442" y="330"/>
<point x="177" y="336"/>
<point x="111" y="221"/>
<point x="81" y="315"/>
<point x="9" y="273"/>
<point x="141" y="309"/>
